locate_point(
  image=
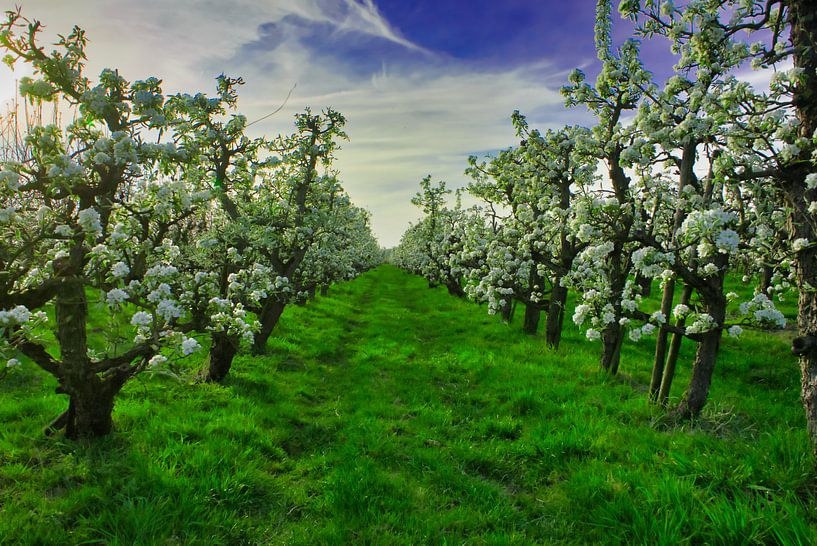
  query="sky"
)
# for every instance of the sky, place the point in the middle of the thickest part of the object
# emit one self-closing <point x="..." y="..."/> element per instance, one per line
<point x="423" y="84"/>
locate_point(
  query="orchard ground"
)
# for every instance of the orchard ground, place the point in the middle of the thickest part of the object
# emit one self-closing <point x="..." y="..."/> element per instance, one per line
<point x="389" y="413"/>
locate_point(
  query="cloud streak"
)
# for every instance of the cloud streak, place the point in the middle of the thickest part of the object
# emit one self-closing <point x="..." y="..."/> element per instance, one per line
<point x="410" y="111"/>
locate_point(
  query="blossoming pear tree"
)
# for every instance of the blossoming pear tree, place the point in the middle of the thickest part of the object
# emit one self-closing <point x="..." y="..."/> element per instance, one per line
<point x="293" y="207"/>
<point x="602" y="271"/>
<point x="431" y="246"/>
<point x="88" y="219"/>
<point x="778" y="127"/>
<point x="541" y="184"/>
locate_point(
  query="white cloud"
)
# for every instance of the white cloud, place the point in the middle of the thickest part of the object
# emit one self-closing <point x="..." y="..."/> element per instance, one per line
<point x="404" y="120"/>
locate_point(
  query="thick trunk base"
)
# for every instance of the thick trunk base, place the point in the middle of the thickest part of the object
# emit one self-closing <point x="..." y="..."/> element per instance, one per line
<point x="89" y="415"/>
<point x="698" y="391"/>
<point x="222" y="351"/>
<point x="455" y="289"/>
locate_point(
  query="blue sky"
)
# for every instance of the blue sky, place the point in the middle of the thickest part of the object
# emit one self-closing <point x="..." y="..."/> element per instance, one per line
<point x="422" y="83"/>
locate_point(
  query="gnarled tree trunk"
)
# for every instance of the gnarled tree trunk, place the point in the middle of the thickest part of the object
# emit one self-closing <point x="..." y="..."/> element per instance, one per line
<point x="455" y="289"/>
<point x="223" y="349"/>
<point x="91" y="398"/>
<point x="803" y="23"/>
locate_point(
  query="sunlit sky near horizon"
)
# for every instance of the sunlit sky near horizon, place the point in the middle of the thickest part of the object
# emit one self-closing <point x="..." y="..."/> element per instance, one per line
<point x="423" y="84"/>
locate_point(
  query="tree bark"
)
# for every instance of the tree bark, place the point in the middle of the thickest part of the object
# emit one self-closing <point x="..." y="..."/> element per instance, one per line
<point x="532" y="314"/>
<point x="803" y="24"/>
<point x="270" y="315"/>
<point x="661" y="341"/>
<point x="455" y="289"/>
<point x="766" y="279"/>
<point x="674" y="350"/>
<point x="90" y="411"/>
<point x="91" y="398"/>
<point x="612" y="337"/>
<point x="645" y="283"/>
<point x="223" y="349"/>
<point x="704" y="365"/>
<point x="556" y="315"/>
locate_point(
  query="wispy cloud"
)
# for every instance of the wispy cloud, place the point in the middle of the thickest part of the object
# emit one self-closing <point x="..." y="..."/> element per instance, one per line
<point x="410" y="112"/>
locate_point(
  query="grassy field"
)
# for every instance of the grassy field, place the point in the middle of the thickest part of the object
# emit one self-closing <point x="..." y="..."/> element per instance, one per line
<point x="388" y="413"/>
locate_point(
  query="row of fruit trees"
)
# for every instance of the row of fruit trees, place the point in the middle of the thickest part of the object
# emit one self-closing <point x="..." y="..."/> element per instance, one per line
<point x="151" y="227"/>
<point x="687" y="181"/>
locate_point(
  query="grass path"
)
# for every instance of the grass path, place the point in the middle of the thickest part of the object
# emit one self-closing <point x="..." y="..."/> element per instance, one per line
<point x="388" y="413"/>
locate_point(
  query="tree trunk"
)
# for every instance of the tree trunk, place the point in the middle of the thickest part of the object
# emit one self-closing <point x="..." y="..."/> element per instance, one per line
<point x="661" y="342"/>
<point x="324" y="290"/>
<point x="270" y="315"/>
<point x="532" y="314"/>
<point x="674" y="350"/>
<point x="222" y="351"/>
<point x="556" y="314"/>
<point x="806" y="345"/>
<point x="90" y="411"/>
<point x="704" y="365"/>
<point x="455" y="289"/>
<point x="91" y="399"/>
<point x="672" y="363"/>
<point x="612" y="337"/>
<point x="645" y="283"/>
<point x="803" y="24"/>
<point x="766" y="279"/>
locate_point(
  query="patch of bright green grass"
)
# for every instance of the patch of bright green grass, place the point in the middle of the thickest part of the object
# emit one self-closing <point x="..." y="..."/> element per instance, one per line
<point x="388" y="413"/>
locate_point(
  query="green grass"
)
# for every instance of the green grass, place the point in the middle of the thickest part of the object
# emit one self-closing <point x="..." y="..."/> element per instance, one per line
<point x="388" y="413"/>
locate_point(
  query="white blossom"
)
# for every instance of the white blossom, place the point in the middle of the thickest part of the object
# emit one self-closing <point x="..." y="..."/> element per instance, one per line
<point x="116" y="296"/>
<point x="120" y="269"/>
<point x="141" y="318"/>
<point x="156" y="360"/>
<point x="799" y="244"/>
<point x="89" y="220"/>
<point x="727" y="241"/>
<point x="190" y="345"/>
